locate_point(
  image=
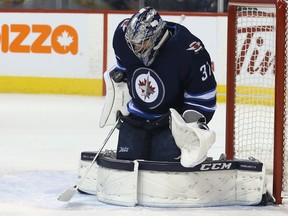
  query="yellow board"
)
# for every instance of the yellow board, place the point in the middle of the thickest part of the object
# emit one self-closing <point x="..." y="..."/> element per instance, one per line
<point x="73" y="86"/>
<point x="249" y="95"/>
<point x="44" y="85"/>
<point x="77" y="86"/>
<point x="221" y="93"/>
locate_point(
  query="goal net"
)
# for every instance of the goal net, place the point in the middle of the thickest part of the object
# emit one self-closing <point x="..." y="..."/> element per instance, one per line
<point x="256" y="121"/>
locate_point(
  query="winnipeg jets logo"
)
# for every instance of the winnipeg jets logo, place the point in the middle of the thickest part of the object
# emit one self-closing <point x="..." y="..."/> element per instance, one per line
<point x="146" y="88"/>
<point x="195" y="46"/>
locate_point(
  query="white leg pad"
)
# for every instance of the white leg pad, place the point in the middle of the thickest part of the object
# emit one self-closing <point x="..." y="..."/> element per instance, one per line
<point x="217" y="183"/>
<point x="89" y="184"/>
<point x="118" y="187"/>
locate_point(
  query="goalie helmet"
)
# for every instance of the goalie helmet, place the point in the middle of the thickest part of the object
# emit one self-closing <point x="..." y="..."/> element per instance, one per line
<point x="145" y="33"/>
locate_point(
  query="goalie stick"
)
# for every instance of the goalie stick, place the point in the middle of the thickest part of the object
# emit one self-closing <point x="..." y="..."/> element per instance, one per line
<point x="69" y="193"/>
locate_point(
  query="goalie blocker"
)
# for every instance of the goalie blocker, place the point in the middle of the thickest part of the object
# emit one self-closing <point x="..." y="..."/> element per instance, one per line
<point x="169" y="184"/>
<point x="117" y="97"/>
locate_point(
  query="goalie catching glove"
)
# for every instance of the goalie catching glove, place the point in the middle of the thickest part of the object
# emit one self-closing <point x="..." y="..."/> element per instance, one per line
<point x="192" y="136"/>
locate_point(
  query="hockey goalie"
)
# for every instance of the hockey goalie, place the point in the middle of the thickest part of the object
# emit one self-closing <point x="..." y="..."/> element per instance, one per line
<point x="161" y="96"/>
<point x="192" y="180"/>
<point x="157" y="80"/>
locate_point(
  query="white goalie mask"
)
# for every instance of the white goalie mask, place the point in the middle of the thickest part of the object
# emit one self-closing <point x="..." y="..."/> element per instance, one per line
<point x="145" y="34"/>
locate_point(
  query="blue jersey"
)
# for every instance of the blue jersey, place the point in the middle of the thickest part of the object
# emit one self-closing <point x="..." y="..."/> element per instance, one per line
<point x="180" y="77"/>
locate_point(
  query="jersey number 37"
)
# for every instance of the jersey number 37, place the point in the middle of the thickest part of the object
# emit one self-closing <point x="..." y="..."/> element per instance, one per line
<point x="206" y="71"/>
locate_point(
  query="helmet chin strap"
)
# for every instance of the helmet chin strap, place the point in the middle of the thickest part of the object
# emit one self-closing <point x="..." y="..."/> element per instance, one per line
<point x="167" y="33"/>
<point x="163" y="39"/>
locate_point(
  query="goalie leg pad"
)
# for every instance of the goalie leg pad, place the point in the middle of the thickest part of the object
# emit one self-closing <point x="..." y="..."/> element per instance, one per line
<point x="88" y="186"/>
<point x="166" y="184"/>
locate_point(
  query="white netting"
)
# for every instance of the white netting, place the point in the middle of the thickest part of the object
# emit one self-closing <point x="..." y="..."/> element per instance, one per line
<point x="255" y="81"/>
<point x="255" y="87"/>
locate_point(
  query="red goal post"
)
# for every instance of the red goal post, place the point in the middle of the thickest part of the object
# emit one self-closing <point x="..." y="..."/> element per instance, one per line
<point x="257" y="108"/>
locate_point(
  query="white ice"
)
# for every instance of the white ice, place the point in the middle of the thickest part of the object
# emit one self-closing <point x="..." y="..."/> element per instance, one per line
<point x="41" y="138"/>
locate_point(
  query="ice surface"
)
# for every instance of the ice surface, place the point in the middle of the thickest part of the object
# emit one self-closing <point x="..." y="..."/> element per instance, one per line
<point x="41" y="138"/>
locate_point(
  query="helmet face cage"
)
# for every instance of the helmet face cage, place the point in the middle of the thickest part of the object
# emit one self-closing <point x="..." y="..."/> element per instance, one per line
<point x="143" y="33"/>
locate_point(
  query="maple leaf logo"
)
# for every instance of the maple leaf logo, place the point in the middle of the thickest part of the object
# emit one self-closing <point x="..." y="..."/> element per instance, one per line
<point x="146" y="88"/>
<point x="65" y="39"/>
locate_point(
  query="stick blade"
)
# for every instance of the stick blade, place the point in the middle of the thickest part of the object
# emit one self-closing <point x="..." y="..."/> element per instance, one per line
<point x="67" y="195"/>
